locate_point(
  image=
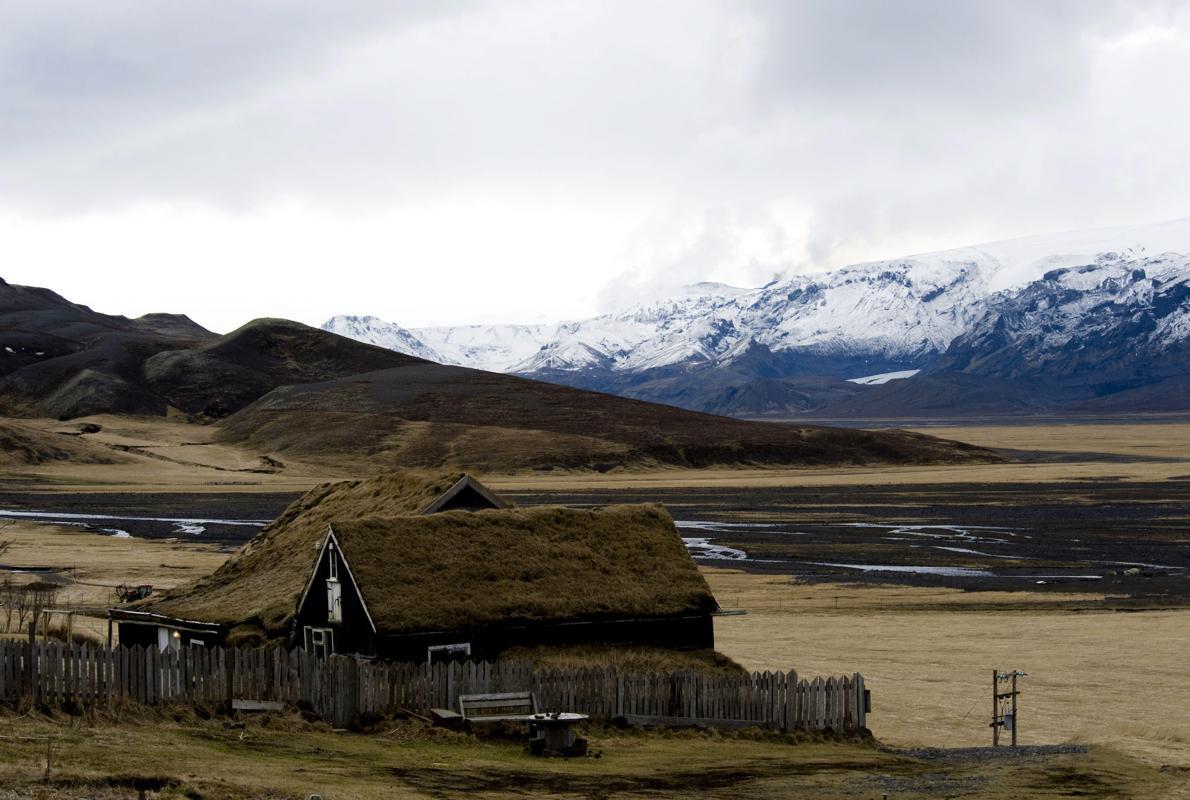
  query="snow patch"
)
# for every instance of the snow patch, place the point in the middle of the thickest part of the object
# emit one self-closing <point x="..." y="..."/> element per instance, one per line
<point x="52" y="516"/>
<point x="884" y="377"/>
<point x="950" y="572"/>
<point x="701" y="547"/>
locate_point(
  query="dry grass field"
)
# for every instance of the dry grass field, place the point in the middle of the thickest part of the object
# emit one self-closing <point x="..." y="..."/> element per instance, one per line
<point x="92" y="565"/>
<point x="1047" y="453"/>
<point x="1098" y="677"/>
<point x="159" y="455"/>
<point x="1144" y="440"/>
<point x="151" y="454"/>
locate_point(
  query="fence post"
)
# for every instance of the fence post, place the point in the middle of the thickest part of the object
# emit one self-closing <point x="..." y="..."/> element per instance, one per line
<point x="861" y="709"/>
<point x="228" y="678"/>
<point x="30" y="676"/>
<point x="619" y="692"/>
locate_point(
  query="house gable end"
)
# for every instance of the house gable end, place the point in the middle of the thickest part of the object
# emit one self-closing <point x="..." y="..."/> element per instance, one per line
<point x="466" y="494"/>
<point x="312" y="605"/>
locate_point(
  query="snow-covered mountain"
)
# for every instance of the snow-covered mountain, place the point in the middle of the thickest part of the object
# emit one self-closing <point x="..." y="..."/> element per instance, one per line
<point x="1110" y="316"/>
<point x="894" y="315"/>
<point x="374" y="330"/>
<point x="1113" y="335"/>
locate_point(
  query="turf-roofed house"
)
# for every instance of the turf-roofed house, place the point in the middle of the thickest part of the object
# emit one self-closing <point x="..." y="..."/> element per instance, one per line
<point x="412" y="566"/>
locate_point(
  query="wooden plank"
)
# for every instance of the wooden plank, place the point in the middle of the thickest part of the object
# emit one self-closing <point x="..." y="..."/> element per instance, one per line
<point x="257" y="705"/>
<point x="789" y="712"/>
<point x="848" y="704"/>
<point x="860" y="694"/>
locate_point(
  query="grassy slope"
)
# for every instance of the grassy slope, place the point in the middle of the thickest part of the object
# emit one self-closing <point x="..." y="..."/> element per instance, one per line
<point x="429" y="415"/>
<point x="24" y="445"/>
<point x="281" y="757"/>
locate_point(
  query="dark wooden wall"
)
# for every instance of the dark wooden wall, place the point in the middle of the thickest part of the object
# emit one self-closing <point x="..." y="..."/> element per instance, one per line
<point x="354" y="633"/>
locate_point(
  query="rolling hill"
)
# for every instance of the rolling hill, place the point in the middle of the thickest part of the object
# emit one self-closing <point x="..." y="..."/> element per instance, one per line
<point x="284" y="388"/>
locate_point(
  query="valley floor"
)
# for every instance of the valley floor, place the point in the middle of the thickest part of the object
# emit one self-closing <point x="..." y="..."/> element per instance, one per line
<point x="1106" y="659"/>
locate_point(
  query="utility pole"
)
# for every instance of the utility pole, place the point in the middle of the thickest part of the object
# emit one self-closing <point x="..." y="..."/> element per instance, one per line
<point x="1004" y="704"/>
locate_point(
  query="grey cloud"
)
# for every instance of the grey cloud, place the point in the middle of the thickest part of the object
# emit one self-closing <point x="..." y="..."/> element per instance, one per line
<point x="819" y="128"/>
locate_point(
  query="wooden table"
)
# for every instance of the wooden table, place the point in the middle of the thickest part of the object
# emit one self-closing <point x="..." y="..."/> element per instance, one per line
<point x="554" y="735"/>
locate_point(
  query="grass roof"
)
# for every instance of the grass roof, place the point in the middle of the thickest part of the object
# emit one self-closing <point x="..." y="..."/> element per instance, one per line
<point x="264" y="579"/>
<point x="457" y="569"/>
<point x="453" y="569"/>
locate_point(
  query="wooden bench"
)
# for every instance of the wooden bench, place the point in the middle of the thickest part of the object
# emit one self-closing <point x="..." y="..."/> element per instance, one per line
<point x="497" y="707"/>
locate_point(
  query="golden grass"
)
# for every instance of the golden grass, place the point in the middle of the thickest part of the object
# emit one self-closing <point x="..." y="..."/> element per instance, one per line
<point x="95" y="564"/>
<point x="927" y="656"/>
<point x="24" y="446"/>
<point x="1142" y="439"/>
<point x="153" y="454"/>
<point x="1018" y="472"/>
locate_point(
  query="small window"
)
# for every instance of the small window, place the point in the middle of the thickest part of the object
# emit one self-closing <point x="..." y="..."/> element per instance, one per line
<point x="320" y="641"/>
<point x="332" y="565"/>
<point x="448" y="652"/>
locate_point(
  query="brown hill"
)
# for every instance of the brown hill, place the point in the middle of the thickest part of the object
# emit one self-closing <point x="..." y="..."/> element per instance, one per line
<point x="222" y="376"/>
<point x="61" y="359"/>
<point x="285" y="388"/>
<point x="424" y="414"/>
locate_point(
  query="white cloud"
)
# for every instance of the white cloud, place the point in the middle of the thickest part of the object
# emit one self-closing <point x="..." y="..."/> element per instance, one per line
<point x="437" y="163"/>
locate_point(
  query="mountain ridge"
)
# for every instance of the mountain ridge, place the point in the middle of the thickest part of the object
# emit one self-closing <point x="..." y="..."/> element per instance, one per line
<point x="702" y="348"/>
<point x="290" y="390"/>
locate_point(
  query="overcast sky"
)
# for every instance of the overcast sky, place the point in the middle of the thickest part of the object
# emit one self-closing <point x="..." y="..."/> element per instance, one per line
<point x="441" y="163"/>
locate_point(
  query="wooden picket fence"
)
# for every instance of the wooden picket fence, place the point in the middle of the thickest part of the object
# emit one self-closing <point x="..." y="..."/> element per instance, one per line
<point x="341" y="689"/>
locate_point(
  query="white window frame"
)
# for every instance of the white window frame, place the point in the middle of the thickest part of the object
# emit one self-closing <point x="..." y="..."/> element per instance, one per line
<point x="319" y="641"/>
<point x="448" y="649"/>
